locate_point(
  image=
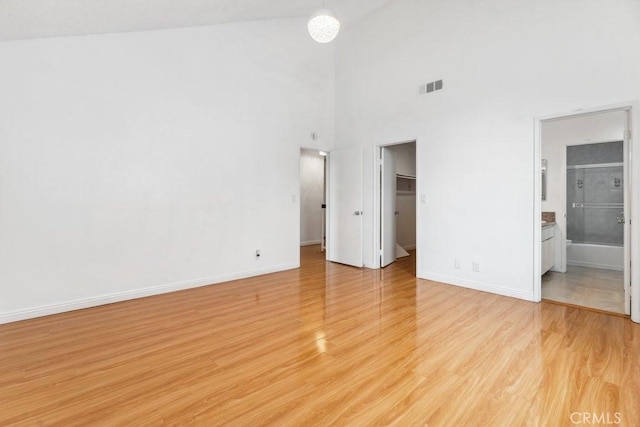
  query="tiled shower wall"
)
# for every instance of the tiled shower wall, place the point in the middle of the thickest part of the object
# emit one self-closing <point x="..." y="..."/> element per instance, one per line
<point x="600" y="186"/>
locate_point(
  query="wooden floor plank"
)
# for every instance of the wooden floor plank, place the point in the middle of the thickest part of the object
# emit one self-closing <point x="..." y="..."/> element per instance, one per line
<point x="325" y="344"/>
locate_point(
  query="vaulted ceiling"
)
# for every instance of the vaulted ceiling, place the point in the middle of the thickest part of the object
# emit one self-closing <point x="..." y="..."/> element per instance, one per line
<point x="26" y="19"/>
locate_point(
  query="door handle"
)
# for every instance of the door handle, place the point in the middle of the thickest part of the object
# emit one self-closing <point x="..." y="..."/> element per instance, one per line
<point x="397" y="213"/>
<point x="358" y="213"/>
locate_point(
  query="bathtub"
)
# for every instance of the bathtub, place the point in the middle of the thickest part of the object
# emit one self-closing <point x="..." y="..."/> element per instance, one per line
<point x="596" y="256"/>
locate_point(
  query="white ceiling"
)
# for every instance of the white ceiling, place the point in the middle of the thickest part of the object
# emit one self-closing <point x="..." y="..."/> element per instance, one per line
<point x="27" y="19"/>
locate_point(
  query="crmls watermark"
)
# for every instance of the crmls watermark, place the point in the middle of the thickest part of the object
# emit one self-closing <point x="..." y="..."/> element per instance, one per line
<point x="600" y="418"/>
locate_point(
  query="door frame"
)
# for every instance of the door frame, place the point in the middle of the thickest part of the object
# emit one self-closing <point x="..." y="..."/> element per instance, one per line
<point x="377" y="220"/>
<point x="388" y="217"/>
<point x="632" y="205"/>
<point x="298" y="195"/>
<point x="324" y="177"/>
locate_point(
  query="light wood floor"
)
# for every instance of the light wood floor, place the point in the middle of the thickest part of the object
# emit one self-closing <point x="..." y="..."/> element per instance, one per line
<point x="587" y="287"/>
<point x="323" y="345"/>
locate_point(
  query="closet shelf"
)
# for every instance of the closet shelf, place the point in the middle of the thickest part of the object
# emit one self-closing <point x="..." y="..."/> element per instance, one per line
<point x="398" y="175"/>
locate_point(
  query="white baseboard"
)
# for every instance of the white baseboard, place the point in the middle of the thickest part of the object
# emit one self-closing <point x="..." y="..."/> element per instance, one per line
<point x="596" y="265"/>
<point x="478" y="286"/>
<point x="62" y="307"/>
<point x="310" y="242"/>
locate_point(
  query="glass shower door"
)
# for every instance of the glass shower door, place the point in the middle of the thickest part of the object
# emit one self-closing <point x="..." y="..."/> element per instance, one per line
<point x="595" y="204"/>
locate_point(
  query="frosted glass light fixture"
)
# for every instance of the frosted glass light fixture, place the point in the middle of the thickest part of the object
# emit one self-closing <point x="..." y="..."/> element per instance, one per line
<point x="323" y="26"/>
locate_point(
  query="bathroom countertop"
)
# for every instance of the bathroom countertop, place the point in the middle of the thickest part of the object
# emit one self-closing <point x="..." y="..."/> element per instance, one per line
<point x="546" y="224"/>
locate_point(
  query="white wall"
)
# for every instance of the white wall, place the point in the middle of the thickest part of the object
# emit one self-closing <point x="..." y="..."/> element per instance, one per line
<point x="311" y="197"/>
<point x="556" y="135"/>
<point x="503" y="64"/>
<point x="132" y="164"/>
<point x="135" y="161"/>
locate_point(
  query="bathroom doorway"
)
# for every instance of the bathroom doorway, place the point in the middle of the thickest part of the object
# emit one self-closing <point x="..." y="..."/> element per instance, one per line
<point x="585" y="203"/>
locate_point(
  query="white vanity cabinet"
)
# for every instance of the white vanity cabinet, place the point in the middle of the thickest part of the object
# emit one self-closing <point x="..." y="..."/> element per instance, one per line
<point x="548" y="246"/>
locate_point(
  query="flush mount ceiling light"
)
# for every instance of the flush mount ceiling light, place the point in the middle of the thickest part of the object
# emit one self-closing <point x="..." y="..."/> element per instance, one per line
<point x="323" y="26"/>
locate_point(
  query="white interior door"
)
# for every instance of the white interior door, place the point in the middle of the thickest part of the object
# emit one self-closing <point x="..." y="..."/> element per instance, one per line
<point x="388" y="207"/>
<point x="627" y="217"/>
<point x="344" y="206"/>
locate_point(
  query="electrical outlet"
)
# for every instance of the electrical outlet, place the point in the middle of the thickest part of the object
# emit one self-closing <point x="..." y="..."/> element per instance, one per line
<point x="456" y="263"/>
<point x="475" y="265"/>
<point x="257" y="253"/>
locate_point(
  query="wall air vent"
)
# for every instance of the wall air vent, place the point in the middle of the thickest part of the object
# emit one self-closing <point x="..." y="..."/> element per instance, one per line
<point x="430" y="87"/>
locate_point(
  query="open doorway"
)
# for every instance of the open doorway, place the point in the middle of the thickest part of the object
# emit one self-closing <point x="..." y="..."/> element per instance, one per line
<point x="585" y="240"/>
<point x="312" y="198"/>
<point x="397" y="196"/>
